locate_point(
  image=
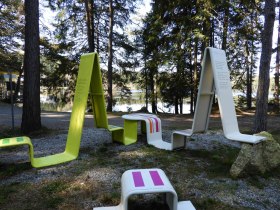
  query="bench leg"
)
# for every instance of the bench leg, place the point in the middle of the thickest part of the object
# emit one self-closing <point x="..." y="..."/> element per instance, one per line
<point x="143" y="127"/>
<point x="118" y="136"/>
<point x="178" y="141"/>
<point x="130" y="131"/>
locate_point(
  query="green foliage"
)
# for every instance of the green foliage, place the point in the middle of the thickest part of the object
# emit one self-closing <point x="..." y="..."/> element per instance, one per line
<point x="168" y="47"/>
<point x="71" y="25"/>
<point x="59" y="71"/>
<point x="175" y="34"/>
<point x="11" y="35"/>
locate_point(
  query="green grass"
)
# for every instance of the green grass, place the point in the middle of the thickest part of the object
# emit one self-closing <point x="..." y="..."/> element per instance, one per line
<point x="256" y="182"/>
<point x="273" y="173"/>
<point x="51" y="193"/>
<point x="8" y="170"/>
<point x="11" y="191"/>
<point x="219" y="160"/>
<point x="7" y="191"/>
<point x="54" y="187"/>
<point x="112" y="198"/>
<point x="276" y="135"/>
<point x="210" y="204"/>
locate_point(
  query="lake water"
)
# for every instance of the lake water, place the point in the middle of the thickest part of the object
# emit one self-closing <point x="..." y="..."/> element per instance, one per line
<point x="160" y="106"/>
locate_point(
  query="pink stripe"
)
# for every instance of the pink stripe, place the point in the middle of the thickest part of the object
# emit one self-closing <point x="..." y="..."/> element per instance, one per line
<point x="138" y="180"/>
<point x="151" y="121"/>
<point x="157" y="127"/>
<point x="156" y="178"/>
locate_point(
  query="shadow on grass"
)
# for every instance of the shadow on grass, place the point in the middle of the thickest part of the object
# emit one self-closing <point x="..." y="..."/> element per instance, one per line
<point x="12" y="169"/>
<point x="210" y="204"/>
<point x="220" y="160"/>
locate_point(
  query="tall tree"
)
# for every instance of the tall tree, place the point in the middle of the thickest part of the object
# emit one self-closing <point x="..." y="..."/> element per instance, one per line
<point x="151" y="56"/>
<point x="242" y="47"/>
<point x="110" y="58"/>
<point x="277" y="68"/>
<point x="225" y="24"/>
<point x="104" y="22"/>
<point x="179" y="42"/>
<point x="263" y="86"/>
<point x="119" y="16"/>
<point x="11" y="37"/>
<point x="89" y="5"/>
<point x="31" y="115"/>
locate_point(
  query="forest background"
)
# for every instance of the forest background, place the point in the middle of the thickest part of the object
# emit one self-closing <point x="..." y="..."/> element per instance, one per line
<point x="160" y="54"/>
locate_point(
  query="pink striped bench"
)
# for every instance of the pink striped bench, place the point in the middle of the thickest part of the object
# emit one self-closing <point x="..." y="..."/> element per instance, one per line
<point x="141" y="181"/>
<point x="151" y="125"/>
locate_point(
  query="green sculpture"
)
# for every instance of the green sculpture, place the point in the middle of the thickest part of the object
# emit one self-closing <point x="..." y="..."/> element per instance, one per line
<point x="89" y="80"/>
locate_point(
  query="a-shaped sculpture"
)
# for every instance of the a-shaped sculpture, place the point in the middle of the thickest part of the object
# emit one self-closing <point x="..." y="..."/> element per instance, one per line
<point x="215" y="78"/>
<point x="89" y="80"/>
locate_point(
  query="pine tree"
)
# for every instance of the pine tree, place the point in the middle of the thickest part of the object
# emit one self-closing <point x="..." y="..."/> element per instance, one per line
<point x="101" y="21"/>
<point x="277" y="68"/>
<point x="263" y="86"/>
<point x="31" y="113"/>
<point x="11" y="35"/>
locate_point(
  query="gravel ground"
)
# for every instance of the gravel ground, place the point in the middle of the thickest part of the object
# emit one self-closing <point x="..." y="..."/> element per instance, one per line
<point x="245" y="194"/>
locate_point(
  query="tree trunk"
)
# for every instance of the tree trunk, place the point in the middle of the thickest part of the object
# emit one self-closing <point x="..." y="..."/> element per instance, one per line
<point x="195" y="73"/>
<point x="192" y="86"/>
<point x="89" y="20"/>
<point x="212" y="34"/>
<point x="153" y="91"/>
<point x="176" y="105"/>
<point x="225" y="26"/>
<point x="18" y="84"/>
<point x="146" y="80"/>
<point x="181" y="102"/>
<point x="97" y="35"/>
<point x="190" y="56"/>
<point x="110" y="58"/>
<point x="206" y="29"/>
<point x="251" y="74"/>
<point x="248" y="77"/>
<point x="92" y="25"/>
<point x="276" y="75"/>
<point x="263" y="86"/>
<point x="31" y="115"/>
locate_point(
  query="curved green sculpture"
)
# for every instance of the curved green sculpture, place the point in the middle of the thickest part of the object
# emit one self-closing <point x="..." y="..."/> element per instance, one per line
<point x="89" y="80"/>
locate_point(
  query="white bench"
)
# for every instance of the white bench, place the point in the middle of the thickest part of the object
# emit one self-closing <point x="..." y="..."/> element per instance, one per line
<point x="152" y="128"/>
<point x="141" y="181"/>
<point x="225" y="98"/>
<point x="179" y="137"/>
<point x="215" y="78"/>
